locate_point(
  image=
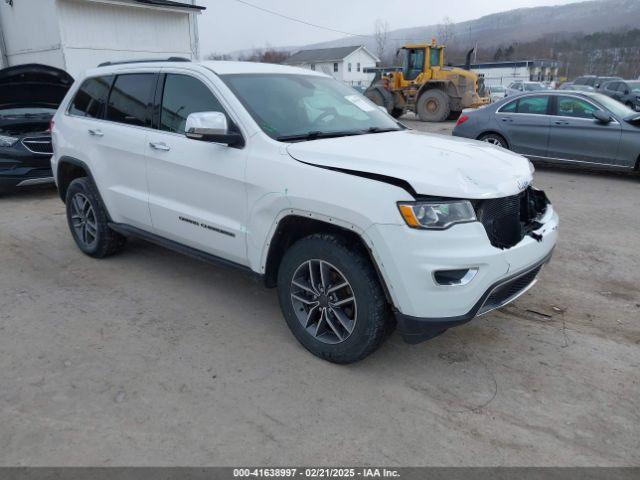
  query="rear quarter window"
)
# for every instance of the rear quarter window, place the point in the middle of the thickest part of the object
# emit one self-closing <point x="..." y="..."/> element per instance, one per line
<point x="91" y="98"/>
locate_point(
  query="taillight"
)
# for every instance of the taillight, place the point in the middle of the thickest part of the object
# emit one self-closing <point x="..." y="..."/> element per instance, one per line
<point x="462" y="119"/>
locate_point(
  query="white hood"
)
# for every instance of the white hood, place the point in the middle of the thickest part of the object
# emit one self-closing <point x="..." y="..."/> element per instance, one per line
<point x="432" y="164"/>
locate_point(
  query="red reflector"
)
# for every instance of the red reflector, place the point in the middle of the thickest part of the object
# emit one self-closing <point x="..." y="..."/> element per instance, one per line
<point x="462" y="119"/>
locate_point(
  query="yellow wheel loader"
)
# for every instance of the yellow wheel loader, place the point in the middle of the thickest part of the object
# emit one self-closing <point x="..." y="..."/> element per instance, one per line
<point x="425" y="86"/>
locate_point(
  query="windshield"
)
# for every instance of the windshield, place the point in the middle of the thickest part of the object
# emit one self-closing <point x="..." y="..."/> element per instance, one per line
<point x="286" y="106"/>
<point x="532" y="87"/>
<point x="618" y="109"/>
<point x="498" y="88"/>
<point x="26" y="111"/>
<point x="634" y="86"/>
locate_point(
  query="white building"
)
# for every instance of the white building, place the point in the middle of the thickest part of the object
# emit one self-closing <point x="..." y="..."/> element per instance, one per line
<point x="346" y="64"/>
<point x="504" y="73"/>
<point x="78" y="34"/>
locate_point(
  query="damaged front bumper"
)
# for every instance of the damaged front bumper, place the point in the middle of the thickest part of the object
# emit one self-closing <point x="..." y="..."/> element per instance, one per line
<point x="424" y="307"/>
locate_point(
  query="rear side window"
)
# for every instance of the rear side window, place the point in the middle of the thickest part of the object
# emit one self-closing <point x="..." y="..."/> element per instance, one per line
<point x="91" y="99"/>
<point x="533" y="105"/>
<point x="130" y="99"/>
<point x="183" y="95"/>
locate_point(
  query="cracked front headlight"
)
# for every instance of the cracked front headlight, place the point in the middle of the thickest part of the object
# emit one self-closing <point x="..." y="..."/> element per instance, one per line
<point x="437" y="215"/>
<point x="6" y="141"/>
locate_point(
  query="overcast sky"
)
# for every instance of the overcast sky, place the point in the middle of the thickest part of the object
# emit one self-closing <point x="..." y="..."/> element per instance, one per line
<point x="228" y="25"/>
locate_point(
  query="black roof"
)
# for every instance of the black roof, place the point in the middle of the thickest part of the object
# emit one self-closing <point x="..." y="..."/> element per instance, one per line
<point x="321" y="55"/>
<point x="171" y="3"/>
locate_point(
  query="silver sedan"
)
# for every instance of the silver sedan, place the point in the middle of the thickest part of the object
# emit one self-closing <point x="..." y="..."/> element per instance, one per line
<point x="559" y="127"/>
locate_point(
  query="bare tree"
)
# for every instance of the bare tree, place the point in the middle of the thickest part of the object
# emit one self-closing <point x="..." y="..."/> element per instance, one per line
<point x="446" y="31"/>
<point x="381" y="36"/>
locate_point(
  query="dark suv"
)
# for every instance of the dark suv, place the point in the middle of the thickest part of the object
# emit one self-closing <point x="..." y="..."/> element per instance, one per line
<point x="625" y="91"/>
<point x="29" y="97"/>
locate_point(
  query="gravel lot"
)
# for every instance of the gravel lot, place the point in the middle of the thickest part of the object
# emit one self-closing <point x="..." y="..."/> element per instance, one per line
<point x="152" y="358"/>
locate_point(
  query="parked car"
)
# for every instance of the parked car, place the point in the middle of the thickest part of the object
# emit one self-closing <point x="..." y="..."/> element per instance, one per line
<point x="560" y="127"/>
<point x="306" y="184"/>
<point x="519" y="87"/>
<point x="593" y="80"/>
<point x="497" y="92"/>
<point x="625" y="91"/>
<point x="576" y="88"/>
<point x="29" y="96"/>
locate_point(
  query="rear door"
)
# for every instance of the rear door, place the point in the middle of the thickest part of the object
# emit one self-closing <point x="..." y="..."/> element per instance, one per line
<point x="119" y="148"/>
<point x="577" y="136"/>
<point x="525" y="121"/>
<point x="197" y="189"/>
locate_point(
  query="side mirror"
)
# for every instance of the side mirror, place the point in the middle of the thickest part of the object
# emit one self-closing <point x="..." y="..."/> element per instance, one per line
<point x="212" y="127"/>
<point x="602" y="116"/>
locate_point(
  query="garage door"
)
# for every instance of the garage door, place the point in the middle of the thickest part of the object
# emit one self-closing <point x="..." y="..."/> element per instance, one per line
<point x="95" y="32"/>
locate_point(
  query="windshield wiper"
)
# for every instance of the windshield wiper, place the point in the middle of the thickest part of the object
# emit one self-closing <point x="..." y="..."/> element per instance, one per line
<point x="382" y="129"/>
<point x="316" y="134"/>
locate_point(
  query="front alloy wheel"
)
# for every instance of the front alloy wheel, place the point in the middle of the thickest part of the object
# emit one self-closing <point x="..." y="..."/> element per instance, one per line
<point x="323" y="301"/>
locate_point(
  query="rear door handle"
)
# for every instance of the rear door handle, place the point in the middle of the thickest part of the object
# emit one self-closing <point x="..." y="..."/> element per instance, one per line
<point x="559" y="122"/>
<point x="95" y="132"/>
<point x="160" y="146"/>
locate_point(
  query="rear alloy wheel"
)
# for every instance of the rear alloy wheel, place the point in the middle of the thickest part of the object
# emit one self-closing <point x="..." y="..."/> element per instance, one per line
<point x="494" y="139"/>
<point x="88" y="220"/>
<point x="332" y="299"/>
<point x="433" y="106"/>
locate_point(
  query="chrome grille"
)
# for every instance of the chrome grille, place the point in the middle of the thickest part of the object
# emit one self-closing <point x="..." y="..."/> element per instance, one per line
<point x="38" y="145"/>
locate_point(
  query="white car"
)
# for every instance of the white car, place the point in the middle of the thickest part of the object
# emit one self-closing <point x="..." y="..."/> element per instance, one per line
<point x="292" y="176"/>
<point x="497" y="92"/>
<point x="518" y="87"/>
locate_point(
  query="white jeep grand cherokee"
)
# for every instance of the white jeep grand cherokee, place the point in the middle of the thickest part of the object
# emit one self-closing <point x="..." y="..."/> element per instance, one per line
<point x="288" y="174"/>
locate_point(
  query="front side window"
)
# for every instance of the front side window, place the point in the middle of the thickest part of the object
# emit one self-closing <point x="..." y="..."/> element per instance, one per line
<point x="575" y="107"/>
<point x="130" y="99"/>
<point x="537" y="105"/>
<point x="291" y="105"/>
<point x="182" y="96"/>
<point x="91" y="99"/>
<point x="434" y="57"/>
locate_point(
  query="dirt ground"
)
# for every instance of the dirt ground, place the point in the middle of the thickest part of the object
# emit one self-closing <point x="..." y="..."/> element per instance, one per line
<point x="152" y="358"/>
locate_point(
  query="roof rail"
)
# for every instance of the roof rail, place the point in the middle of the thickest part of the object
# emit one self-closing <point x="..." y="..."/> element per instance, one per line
<point x="145" y="60"/>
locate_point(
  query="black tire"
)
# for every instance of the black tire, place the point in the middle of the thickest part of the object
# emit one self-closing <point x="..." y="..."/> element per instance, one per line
<point x="433" y="106"/>
<point x="397" y="112"/>
<point x="381" y="97"/>
<point x="100" y="241"/>
<point x="373" y="321"/>
<point x="494" y="139"/>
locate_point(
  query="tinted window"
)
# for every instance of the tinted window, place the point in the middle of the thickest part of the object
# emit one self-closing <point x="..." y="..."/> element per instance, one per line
<point x="612" y="86"/>
<point x="182" y="96"/>
<point x="130" y="99"/>
<point x="510" y="107"/>
<point x="534" y="105"/>
<point x="91" y="99"/>
<point x="622" y="87"/>
<point x="575" y="107"/>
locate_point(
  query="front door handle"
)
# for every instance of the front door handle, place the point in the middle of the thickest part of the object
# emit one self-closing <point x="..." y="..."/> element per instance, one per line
<point x="94" y="132"/>
<point x="160" y="146"/>
<point x="559" y="122"/>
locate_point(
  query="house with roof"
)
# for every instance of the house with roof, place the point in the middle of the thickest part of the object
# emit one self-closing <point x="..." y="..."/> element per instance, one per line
<point x="346" y="64"/>
<point x="75" y="35"/>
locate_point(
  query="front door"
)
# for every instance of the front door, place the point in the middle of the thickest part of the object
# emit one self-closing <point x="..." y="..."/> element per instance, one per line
<point x="577" y="136"/>
<point x="197" y="189"/>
